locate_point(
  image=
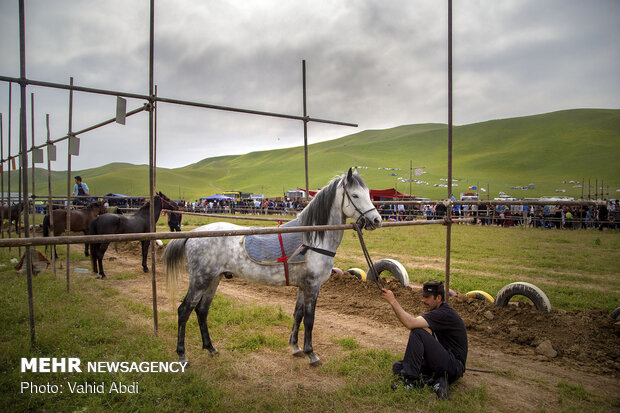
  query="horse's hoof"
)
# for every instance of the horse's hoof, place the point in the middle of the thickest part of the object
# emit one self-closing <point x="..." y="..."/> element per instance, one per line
<point x="297" y="351"/>
<point x="213" y="353"/>
<point x="183" y="359"/>
<point x="145" y="269"/>
<point x="314" y="360"/>
<point x="101" y="277"/>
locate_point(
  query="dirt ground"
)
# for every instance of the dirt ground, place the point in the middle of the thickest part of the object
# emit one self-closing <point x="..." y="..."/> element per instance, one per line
<point x="502" y="340"/>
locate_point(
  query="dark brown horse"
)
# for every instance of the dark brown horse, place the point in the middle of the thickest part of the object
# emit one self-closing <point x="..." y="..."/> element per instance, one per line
<point x="80" y="221"/>
<point x="122" y="224"/>
<point x="12" y="213"/>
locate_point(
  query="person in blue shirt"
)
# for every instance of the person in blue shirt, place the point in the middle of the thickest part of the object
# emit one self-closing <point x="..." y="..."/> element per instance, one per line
<point x="80" y="189"/>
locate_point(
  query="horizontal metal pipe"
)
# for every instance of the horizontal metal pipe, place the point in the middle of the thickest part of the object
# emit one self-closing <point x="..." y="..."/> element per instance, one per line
<point x="75" y="88"/>
<point x="252" y="112"/>
<point x="90" y="128"/>
<point x="172" y="101"/>
<point x="82" y="239"/>
<point x="200" y="214"/>
<point x="494" y="202"/>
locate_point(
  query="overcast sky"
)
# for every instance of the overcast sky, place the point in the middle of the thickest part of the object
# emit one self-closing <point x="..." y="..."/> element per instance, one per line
<point x="375" y="63"/>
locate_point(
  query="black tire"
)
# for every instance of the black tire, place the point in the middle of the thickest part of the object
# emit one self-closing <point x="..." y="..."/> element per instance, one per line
<point x="538" y="297"/>
<point x="396" y="268"/>
<point x="615" y="314"/>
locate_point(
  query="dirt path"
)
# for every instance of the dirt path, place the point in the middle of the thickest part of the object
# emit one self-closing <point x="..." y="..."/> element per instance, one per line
<point x="500" y="339"/>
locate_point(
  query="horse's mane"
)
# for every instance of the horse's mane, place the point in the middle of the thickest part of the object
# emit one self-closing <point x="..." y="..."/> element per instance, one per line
<point x="318" y="210"/>
<point x="146" y="205"/>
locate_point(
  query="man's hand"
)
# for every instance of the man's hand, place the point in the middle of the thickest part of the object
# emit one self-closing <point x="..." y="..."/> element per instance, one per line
<point x="388" y="295"/>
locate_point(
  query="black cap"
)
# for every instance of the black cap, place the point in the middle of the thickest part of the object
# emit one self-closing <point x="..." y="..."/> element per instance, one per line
<point x="433" y="288"/>
<point x="79" y="178"/>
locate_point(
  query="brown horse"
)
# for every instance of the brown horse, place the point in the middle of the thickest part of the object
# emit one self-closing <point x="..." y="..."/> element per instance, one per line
<point x="80" y="221"/>
<point x="12" y="213"/>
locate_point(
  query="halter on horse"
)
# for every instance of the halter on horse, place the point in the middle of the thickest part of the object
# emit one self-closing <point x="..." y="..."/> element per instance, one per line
<point x="209" y="258"/>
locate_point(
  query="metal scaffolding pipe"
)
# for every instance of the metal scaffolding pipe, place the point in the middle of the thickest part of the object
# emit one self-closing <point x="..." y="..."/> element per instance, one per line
<point x="82" y="239"/>
<point x="172" y="101"/>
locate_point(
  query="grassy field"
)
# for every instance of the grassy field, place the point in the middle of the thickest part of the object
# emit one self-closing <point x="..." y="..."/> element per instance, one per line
<point x="96" y="321"/>
<point x="548" y="150"/>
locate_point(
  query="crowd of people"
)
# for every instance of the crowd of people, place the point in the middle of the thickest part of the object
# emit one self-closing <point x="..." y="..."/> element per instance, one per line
<point x="538" y="216"/>
<point x="246" y="206"/>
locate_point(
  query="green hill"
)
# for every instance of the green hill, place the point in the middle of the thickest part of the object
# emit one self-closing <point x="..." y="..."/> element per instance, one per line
<point x="545" y="150"/>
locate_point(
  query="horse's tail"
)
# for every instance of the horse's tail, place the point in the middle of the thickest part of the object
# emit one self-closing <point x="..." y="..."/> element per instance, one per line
<point x="93" y="247"/>
<point x="174" y="254"/>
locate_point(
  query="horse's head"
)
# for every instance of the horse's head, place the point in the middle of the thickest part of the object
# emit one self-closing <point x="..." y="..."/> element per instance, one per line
<point x="96" y="208"/>
<point x="356" y="202"/>
<point x="167" y="203"/>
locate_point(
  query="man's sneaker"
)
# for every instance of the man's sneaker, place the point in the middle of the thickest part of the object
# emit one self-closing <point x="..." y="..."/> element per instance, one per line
<point x="441" y="387"/>
<point x="413" y="384"/>
<point x="407" y="383"/>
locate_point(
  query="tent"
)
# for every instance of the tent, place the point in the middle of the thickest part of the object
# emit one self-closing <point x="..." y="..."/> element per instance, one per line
<point x="124" y="201"/>
<point x="215" y="197"/>
<point x="386" y="194"/>
<point x="376" y="194"/>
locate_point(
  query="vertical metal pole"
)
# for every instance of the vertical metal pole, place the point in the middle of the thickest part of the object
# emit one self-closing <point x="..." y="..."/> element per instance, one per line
<point x="449" y="212"/>
<point x="69" y="191"/>
<point x="50" y="205"/>
<point x="152" y="157"/>
<point x="34" y="211"/>
<point x="2" y="176"/>
<point x="596" y="189"/>
<point x="24" y="160"/>
<point x="410" y="174"/>
<point x="9" y="156"/>
<point x="303" y="75"/>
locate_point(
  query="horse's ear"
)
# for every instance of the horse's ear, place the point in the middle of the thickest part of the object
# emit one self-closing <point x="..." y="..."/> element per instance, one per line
<point x="349" y="174"/>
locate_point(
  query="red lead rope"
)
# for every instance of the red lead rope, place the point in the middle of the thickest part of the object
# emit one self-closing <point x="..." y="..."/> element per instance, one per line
<point x="284" y="258"/>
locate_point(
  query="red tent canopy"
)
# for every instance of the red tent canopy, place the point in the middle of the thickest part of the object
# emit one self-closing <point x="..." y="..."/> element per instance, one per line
<point x="375" y="194"/>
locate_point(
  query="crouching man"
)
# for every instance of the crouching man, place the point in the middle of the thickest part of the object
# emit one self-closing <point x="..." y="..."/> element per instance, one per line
<point x="434" y="357"/>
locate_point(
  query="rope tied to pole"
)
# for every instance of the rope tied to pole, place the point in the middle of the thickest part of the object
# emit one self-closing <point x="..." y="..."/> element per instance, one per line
<point x="378" y="281"/>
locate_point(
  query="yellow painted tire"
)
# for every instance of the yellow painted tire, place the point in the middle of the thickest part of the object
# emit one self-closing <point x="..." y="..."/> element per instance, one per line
<point x="358" y="273"/>
<point x="481" y="295"/>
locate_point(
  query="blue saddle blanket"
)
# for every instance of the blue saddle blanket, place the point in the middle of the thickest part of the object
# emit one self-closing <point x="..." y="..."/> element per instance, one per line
<point x="266" y="249"/>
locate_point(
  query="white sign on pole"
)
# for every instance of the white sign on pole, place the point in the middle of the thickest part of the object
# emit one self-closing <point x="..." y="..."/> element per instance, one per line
<point x="51" y="152"/>
<point x="74" y="145"/>
<point x="37" y="155"/>
<point x="121" y="108"/>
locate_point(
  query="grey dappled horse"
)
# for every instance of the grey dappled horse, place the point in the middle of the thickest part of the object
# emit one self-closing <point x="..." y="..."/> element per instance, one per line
<point x="208" y="259"/>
